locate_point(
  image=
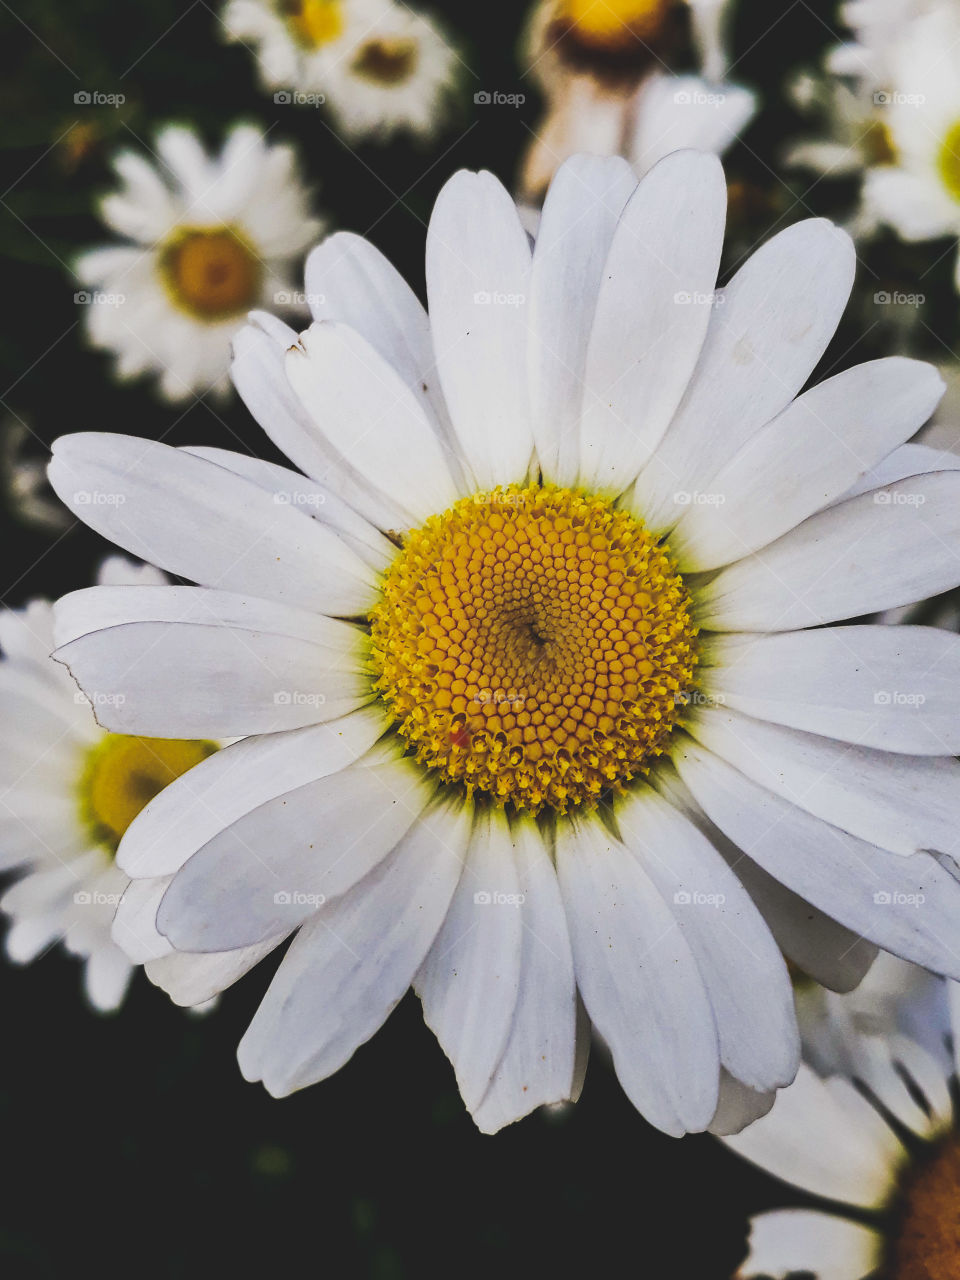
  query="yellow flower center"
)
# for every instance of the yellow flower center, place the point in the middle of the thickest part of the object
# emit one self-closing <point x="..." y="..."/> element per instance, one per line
<point x="948" y="161"/>
<point x="122" y="774"/>
<point x="611" y="24"/>
<point x="386" y="61"/>
<point x="925" y="1243"/>
<point x="534" y="644"/>
<point x="314" y="22"/>
<point x="211" y="274"/>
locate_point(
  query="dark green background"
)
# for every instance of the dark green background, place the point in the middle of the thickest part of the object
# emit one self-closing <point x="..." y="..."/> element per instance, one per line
<point x="131" y="1144"/>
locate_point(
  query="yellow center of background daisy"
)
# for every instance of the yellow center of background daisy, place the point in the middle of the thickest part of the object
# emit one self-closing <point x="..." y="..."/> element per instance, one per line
<point x="386" y="61"/>
<point x="948" y="161"/>
<point x="534" y="644"/>
<point x="610" y="24"/>
<point x="211" y="274"/>
<point x="122" y="774"/>
<point x="314" y="22"/>
<point x="925" y="1244"/>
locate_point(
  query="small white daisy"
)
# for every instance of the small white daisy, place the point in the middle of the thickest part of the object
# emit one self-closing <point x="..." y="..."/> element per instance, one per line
<point x="608" y="93"/>
<point x="871" y="1128"/>
<point x="538" y="655"/>
<point x="380" y="66"/>
<point x="70" y="790"/>
<point x="208" y="237"/>
<point x="918" y="193"/>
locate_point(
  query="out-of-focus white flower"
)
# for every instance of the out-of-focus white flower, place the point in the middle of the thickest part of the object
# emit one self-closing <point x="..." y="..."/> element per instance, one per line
<point x="870" y="1126"/>
<point x="603" y="71"/>
<point x="918" y="194"/>
<point x="207" y="238"/>
<point x="378" y="66"/>
<point x="69" y="792"/>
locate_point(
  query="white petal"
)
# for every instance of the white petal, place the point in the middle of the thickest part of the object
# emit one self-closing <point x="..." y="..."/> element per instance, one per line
<point x="315" y="499"/>
<point x="907" y="905"/>
<point x="738" y="1106"/>
<point x="894" y="688"/>
<point x="185" y="662"/>
<point x="833" y="956"/>
<point x="469" y="982"/>
<point x="635" y="970"/>
<point x="807" y="1241"/>
<point x="652" y="314"/>
<point x="580" y="214"/>
<point x="901" y="803"/>
<point x="686" y="111"/>
<point x="824" y="1137"/>
<point x="259" y="374"/>
<point x="478" y="282"/>
<point x="135" y="924"/>
<point x="350" y="966"/>
<point x="882" y="549"/>
<point x="768" y="329"/>
<point x="349" y="279"/>
<point x="744" y="973"/>
<point x="191" y="979"/>
<point x="199" y="521"/>
<point x="908" y="460"/>
<point x="806" y="458"/>
<point x="106" y="977"/>
<point x="276" y="865"/>
<point x="213" y="795"/>
<point x="539" y="1062"/>
<point x="371" y="417"/>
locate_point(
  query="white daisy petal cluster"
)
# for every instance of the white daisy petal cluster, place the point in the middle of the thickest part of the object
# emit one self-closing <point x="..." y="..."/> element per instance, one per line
<point x="890" y="105"/>
<point x="870" y="1127"/>
<point x="603" y="68"/>
<point x="377" y="65"/>
<point x="546" y="708"/>
<point x="206" y="238"/>
<point x="69" y="792"/>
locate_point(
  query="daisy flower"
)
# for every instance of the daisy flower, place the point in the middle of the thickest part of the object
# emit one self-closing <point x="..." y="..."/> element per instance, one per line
<point x="870" y="1128"/>
<point x="206" y="238"/>
<point x="608" y="91"/>
<point x="918" y="194"/>
<point x="70" y="790"/>
<point x="379" y="66"/>
<point x="549" y="718"/>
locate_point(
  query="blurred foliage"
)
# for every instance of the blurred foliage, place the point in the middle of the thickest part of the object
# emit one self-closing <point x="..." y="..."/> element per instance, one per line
<point x="131" y="1144"/>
